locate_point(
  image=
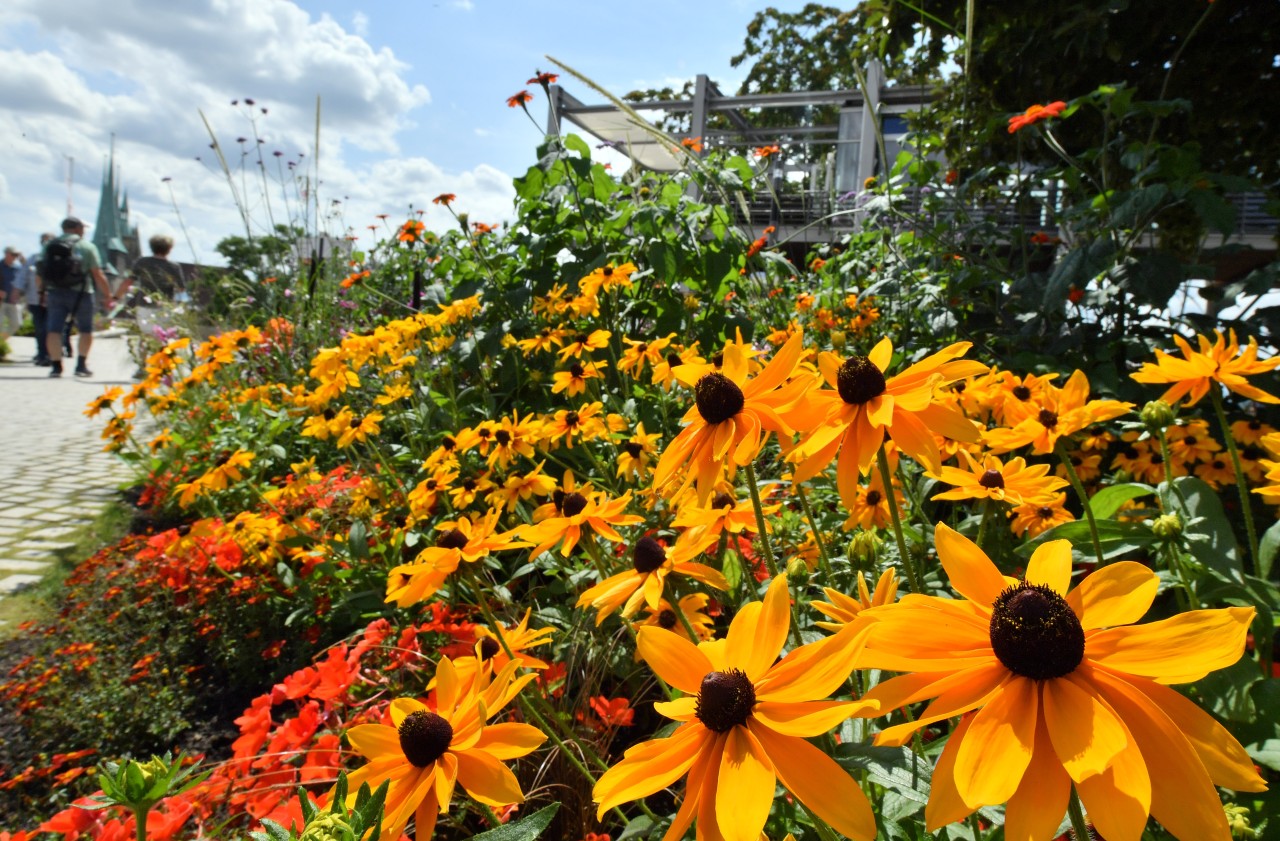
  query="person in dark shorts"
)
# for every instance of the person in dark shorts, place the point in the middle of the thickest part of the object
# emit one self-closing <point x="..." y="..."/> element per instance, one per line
<point x="73" y="297"/>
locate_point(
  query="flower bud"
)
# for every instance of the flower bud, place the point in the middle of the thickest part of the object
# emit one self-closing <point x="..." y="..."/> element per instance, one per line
<point x="328" y="827"/>
<point x="862" y="550"/>
<point x="797" y="570"/>
<point x="1167" y="526"/>
<point x="838" y="338"/>
<point x="1157" y="415"/>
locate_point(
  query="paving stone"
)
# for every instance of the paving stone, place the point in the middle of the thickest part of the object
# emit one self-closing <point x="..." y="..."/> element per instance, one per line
<point x="18" y="581"/>
<point x="16" y="565"/>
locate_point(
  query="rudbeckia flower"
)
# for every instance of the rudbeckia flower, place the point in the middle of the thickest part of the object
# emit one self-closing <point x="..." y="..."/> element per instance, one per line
<point x="864" y="406"/>
<point x="1222" y="362"/>
<point x="743" y="724"/>
<point x="425" y="752"/>
<point x="1062" y="412"/>
<point x="643" y="583"/>
<point x="579" y="511"/>
<point x="1067" y="691"/>
<point x="844" y="609"/>
<point x="1034" y="518"/>
<point x="1013" y="482"/>
<point x="730" y="415"/>
<point x="464" y="539"/>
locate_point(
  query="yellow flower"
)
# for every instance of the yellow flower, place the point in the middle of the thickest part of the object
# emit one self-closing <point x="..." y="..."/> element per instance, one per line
<point x="1066" y="691"/>
<point x="723" y="514"/>
<point x="581" y="343"/>
<point x="607" y="277"/>
<point x="225" y="471"/>
<point x="1013" y="482"/>
<point x="1062" y="412"/>
<point x="574" y="380"/>
<point x="636" y="354"/>
<point x="637" y="452"/>
<point x="103" y="401"/>
<point x="693" y="606"/>
<point x="1218" y="362"/>
<point x="729" y="418"/>
<point x="547" y="339"/>
<point x="518" y="638"/>
<point x="579" y="511"/>
<point x="1034" y="518"/>
<point x="514" y="436"/>
<point x="844" y="609"/>
<point x="743" y="725"/>
<point x="644" y="582"/>
<point x="852" y="419"/>
<point x="425" y="752"/>
<point x="465" y="539"/>
<point x="664" y="370"/>
<point x="359" y="429"/>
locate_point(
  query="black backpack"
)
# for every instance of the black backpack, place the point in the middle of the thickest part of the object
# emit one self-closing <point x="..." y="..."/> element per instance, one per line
<point x="60" y="265"/>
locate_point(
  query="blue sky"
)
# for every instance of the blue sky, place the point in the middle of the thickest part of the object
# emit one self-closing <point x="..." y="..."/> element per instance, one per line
<point x="413" y="98"/>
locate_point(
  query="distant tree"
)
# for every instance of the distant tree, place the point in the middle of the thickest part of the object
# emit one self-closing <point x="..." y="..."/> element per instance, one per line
<point x="262" y="256"/>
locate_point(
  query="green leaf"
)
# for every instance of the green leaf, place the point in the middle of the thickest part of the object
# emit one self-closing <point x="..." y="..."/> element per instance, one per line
<point x="898" y="769"/>
<point x="576" y="144"/>
<point x="1267" y="549"/>
<point x="1267" y="753"/>
<point x="1220" y="552"/>
<point x="525" y="829"/>
<point x="358" y="540"/>
<point x="1117" y="539"/>
<point x="1106" y="502"/>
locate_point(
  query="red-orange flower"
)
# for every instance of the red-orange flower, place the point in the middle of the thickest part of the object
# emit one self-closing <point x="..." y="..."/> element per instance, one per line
<point x="543" y="79"/>
<point x="444" y="199"/>
<point x="1035" y="114"/>
<point x="519" y="99"/>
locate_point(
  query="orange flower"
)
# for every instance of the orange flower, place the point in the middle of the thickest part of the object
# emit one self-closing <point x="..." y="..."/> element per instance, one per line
<point x="1035" y="114"/>
<point x="767" y="151"/>
<point x="693" y="144"/>
<point x="444" y="198"/>
<point x="1222" y="362"/>
<point x="410" y="231"/>
<point x="519" y="99"/>
<point x="543" y="79"/>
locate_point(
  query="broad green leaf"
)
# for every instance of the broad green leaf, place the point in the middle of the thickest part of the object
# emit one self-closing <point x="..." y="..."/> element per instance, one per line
<point x="525" y="829"/>
<point x="1106" y="502"/>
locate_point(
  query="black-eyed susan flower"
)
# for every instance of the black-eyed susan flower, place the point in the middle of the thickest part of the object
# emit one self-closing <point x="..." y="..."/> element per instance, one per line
<point x="664" y="370"/>
<point x="651" y="563"/>
<point x="848" y="423"/>
<point x="578" y="511"/>
<point x="1066" y="692"/>
<point x="518" y="639"/>
<point x="694" y="608"/>
<point x="607" y="277"/>
<point x="731" y="415"/>
<point x="1061" y="412"/>
<point x="515" y="436"/>
<point x="1012" y="481"/>
<point x="743" y="724"/>
<point x="580" y="343"/>
<point x="545" y="340"/>
<point x="1221" y="361"/>
<point x="227" y="469"/>
<point x="844" y="609"/>
<point x="464" y="539"/>
<point x="573" y="380"/>
<point x="637" y="453"/>
<point x="424" y="752"/>
<point x="637" y="354"/>
<point x="1035" y="518"/>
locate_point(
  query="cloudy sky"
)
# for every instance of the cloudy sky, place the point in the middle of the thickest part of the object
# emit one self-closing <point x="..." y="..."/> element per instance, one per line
<point x="413" y="97"/>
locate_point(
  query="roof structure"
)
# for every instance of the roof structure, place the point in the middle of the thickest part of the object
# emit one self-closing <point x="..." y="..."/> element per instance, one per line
<point x="116" y="239"/>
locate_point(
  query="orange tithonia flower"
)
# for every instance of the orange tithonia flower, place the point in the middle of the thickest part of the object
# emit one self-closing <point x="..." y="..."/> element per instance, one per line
<point x="1035" y="114"/>
<point x="1013" y="482"/>
<point x="1222" y="362"/>
<point x="853" y="419"/>
<point x="730" y="415"/>
<point x="644" y="582"/>
<point x="1066" y="691"/>
<point x="1062" y="412"/>
<point x="743" y="724"/>
<point x="425" y="752"/>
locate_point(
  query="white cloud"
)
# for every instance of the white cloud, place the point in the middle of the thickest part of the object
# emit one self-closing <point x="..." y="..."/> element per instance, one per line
<point x="360" y="24"/>
<point x="482" y="132"/>
<point x="143" y="71"/>
<point x="464" y="5"/>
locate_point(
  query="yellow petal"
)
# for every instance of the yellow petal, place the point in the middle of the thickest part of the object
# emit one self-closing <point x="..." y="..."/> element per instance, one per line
<point x="1116" y="594"/>
<point x="1035" y="810"/>
<point x="402" y="707"/>
<point x="759" y="630"/>
<point x="1086" y="734"/>
<point x="681" y="709"/>
<point x="446" y="688"/>
<point x="1179" y="649"/>
<point x="1118" y="799"/>
<point x="744" y="791"/>
<point x="650" y="766"/>
<point x="1223" y="757"/>
<point x="971" y="572"/>
<point x="375" y="741"/>
<point x="705" y="768"/>
<point x="805" y="718"/>
<point x="424" y="819"/>
<point x="446" y="776"/>
<point x="916" y="440"/>
<point x="673" y="658"/>
<point x="1050" y="565"/>
<point x="819" y="783"/>
<point x="486" y="779"/>
<point x="814" y="670"/>
<point x="945" y="804"/>
<point x="1182" y="795"/>
<point x="405" y="794"/>
<point x="510" y="740"/>
<point x="962" y="692"/>
<point x="992" y="760"/>
<point x="882" y="354"/>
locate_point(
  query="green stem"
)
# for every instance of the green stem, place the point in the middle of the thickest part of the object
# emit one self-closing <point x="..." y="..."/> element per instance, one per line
<point x="908" y="563"/>
<point x="1076" y="485"/>
<point x="140" y="821"/>
<point x="1246" y="502"/>
<point x="1079" y="825"/>
<point x="769" y="560"/>
<point x="988" y="505"/>
<point x="824" y="559"/>
<point x="825" y="832"/>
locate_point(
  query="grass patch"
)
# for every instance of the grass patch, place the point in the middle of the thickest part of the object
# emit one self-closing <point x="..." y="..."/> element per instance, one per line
<point x="40" y="602"/>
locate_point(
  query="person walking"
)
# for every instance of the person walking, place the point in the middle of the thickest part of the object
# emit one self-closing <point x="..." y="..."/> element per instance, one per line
<point x="68" y="264"/>
<point x="156" y="283"/>
<point x="29" y="291"/>
<point x="10" y="309"/>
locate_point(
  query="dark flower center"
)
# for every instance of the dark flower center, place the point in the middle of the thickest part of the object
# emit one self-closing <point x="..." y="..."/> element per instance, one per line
<point x="859" y="381"/>
<point x="483" y="432"/>
<point x="718" y="397"/>
<point x="502" y="437"/>
<point x="673" y="359"/>
<point x="873" y="498"/>
<point x="577" y="370"/>
<point x="571" y="419"/>
<point x="725" y="700"/>
<point x="573" y="504"/>
<point x="718" y="360"/>
<point x="992" y="479"/>
<point x="489" y="648"/>
<point x="1252" y="452"/>
<point x="557" y="499"/>
<point x="667" y="619"/>
<point x="1190" y="440"/>
<point x="633" y="449"/>
<point x="1255" y="424"/>
<point x="1022" y="392"/>
<point x="721" y="500"/>
<point x="424" y="737"/>
<point x="648" y="555"/>
<point x="607" y="271"/>
<point x="452" y="539"/>
<point x="1044" y="513"/>
<point x="448" y="443"/>
<point x="1035" y="633"/>
<point x="1047" y="419"/>
<point x="581" y="339"/>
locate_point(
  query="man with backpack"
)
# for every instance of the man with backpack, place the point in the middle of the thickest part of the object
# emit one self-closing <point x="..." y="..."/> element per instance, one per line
<point x="65" y="268"/>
